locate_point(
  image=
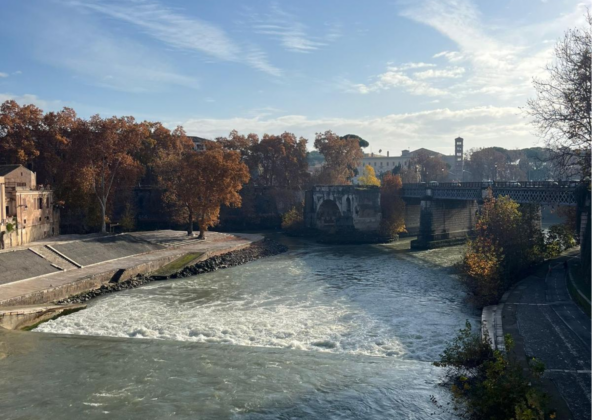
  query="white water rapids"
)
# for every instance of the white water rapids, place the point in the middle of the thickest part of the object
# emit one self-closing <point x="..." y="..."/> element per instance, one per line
<point x="346" y="300"/>
<point x="317" y="333"/>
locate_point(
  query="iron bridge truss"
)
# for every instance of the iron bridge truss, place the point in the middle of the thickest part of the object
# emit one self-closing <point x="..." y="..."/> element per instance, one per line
<point x="540" y="192"/>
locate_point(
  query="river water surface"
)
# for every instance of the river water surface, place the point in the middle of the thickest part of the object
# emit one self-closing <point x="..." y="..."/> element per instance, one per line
<point x="317" y="333"/>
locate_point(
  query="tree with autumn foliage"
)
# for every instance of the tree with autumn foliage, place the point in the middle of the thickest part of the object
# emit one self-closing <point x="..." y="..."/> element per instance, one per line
<point x="392" y="205"/>
<point x="342" y="157"/>
<point x="19" y="127"/>
<point x="102" y="158"/>
<point x="507" y="241"/>
<point x="281" y="161"/>
<point x="368" y="177"/>
<point x="198" y="183"/>
<point x="431" y="167"/>
<point x="245" y="145"/>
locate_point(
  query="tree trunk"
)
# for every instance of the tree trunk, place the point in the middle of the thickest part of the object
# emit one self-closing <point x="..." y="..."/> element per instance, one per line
<point x="190" y="227"/>
<point x="103" y="223"/>
<point x="202" y="231"/>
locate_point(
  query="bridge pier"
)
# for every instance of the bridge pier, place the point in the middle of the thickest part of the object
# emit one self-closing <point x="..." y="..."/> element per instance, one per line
<point x="444" y="222"/>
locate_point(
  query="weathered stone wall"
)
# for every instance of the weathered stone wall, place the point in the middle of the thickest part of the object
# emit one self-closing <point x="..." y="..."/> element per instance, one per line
<point x="451" y="218"/>
<point x="412" y="216"/>
<point x="446" y="219"/>
<point x="343" y="208"/>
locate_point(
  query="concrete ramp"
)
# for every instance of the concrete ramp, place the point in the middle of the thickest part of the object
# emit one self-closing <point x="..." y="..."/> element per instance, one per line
<point x="97" y="250"/>
<point x="54" y="258"/>
<point x="23" y="264"/>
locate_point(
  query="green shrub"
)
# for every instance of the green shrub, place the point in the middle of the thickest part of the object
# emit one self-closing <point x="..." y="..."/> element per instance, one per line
<point x="487" y="385"/>
<point x="507" y="242"/>
<point x="558" y="239"/>
<point x="294" y="219"/>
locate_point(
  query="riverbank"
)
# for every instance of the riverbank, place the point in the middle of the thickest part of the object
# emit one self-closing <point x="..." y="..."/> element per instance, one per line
<point x="37" y="278"/>
<point x="255" y="251"/>
<point x="33" y="276"/>
<point x="545" y="323"/>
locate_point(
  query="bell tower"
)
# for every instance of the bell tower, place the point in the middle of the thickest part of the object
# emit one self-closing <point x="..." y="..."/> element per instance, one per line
<point x="458" y="158"/>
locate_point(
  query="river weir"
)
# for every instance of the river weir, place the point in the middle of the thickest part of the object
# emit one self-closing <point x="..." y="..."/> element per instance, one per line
<point x="318" y="332"/>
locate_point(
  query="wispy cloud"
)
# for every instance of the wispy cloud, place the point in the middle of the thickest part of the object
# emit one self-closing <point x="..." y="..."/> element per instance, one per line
<point x="3" y="74"/>
<point x="450" y="73"/>
<point x="29" y="98"/>
<point x="394" y="77"/>
<point x="451" y="56"/>
<point x="407" y="66"/>
<point x="179" y="31"/>
<point x="502" y="60"/>
<point x="257" y="59"/>
<point x="98" y="58"/>
<point x="292" y="34"/>
<point x="168" y="26"/>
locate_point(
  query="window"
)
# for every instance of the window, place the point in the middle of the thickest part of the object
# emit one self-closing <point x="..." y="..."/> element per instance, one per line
<point x="25" y="221"/>
<point x="40" y="203"/>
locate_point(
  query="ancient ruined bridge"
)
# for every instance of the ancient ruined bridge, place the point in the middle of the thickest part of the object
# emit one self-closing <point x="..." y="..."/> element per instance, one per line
<point x="438" y="213"/>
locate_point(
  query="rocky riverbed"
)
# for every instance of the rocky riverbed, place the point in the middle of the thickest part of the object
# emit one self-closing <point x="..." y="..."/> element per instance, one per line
<point x="255" y="251"/>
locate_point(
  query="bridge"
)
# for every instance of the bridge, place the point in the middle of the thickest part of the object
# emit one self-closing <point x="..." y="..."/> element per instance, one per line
<point x="448" y="211"/>
<point x="439" y="214"/>
<point x="525" y="192"/>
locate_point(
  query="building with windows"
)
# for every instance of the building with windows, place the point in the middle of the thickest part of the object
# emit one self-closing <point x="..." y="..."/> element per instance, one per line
<point x="382" y="163"/>
<point x="199" y="143"/>
<point x="27" y="206"/>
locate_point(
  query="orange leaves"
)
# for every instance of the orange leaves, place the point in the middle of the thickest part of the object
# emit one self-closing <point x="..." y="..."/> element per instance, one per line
<point x="19" y="126"/>
<point x="342" y="157"/>
<point x="392" y="205"/>
<point x="504" y="245"/>
<point x="198" y="183"/>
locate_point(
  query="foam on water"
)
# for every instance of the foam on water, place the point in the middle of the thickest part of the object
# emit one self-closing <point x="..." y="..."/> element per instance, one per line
<point x="321" y="300"/>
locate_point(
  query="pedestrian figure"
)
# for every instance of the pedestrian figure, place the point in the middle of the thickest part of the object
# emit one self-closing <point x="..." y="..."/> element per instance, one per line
<point x="2" y="239"/>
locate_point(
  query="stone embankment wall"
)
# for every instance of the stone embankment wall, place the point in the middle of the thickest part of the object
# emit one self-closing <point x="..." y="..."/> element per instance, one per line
<point x="86" y="283"/>
<point x="212" y="262"/>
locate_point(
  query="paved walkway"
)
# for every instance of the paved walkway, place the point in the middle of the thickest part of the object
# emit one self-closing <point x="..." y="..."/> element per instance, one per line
<point x="548" y="325"/>
<point x="180" y="246"/>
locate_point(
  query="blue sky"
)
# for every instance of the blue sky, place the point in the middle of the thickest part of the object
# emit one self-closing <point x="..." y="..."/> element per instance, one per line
<point x="402" y="74"/>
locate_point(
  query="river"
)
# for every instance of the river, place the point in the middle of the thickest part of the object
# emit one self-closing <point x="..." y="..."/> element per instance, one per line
<point x="320" y="332"/>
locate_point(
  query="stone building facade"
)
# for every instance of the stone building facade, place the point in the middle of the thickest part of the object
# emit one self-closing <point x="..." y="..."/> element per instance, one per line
<point x="30" y="205"/>
<point x="382" y="164"/>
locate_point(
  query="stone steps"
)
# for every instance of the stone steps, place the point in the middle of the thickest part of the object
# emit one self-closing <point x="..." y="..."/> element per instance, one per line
<point x="55" y="259"/>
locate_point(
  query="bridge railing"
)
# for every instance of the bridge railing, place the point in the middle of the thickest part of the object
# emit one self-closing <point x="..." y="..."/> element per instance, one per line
<point x="493" y="184"/>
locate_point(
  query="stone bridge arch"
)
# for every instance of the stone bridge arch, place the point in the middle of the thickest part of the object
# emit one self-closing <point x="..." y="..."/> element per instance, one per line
<point x="328" y="215"/>
<point x="343" y="208"/>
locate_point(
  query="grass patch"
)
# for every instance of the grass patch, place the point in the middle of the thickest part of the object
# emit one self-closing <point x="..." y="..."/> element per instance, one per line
<point x="178" y="264"/>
